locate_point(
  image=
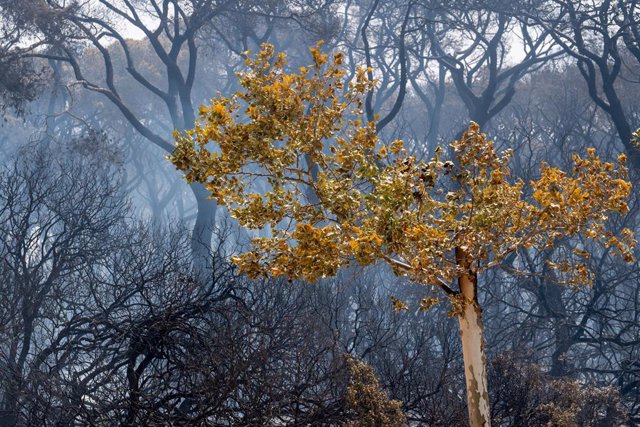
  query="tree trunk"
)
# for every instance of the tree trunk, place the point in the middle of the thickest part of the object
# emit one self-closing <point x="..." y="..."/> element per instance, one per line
<point x="9" y="409"/>
<point x="472" y="337"/>
<point x="203" y="233"/>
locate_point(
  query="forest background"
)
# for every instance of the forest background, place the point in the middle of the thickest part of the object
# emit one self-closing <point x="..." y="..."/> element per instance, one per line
<point x="118" y="303"/>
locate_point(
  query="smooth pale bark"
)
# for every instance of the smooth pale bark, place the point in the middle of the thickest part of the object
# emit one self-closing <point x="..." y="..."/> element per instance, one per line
<point x="472" y="337"/>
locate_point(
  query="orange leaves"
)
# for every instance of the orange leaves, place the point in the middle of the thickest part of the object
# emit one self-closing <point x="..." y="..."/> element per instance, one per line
<point x="313" y="257"/>
<point x="257" y="210"/>
<point x="427" y="303"/>
<point x="474" y="150"/>
<point x="319" y="58"/>
<point x="399" y="305"/>
<point x="570" y="273"/>
<point x="382" y="152"/>
<point x="303" y="162"/>
<point x="581" y="203"/>
<point x="316" y="254"/>
<point x="623" y="245"/>
<point x="546" y="190"/>
<point x="396" y="146"/>
<point x="219" y="109"/>
<point x="365" y="248"/>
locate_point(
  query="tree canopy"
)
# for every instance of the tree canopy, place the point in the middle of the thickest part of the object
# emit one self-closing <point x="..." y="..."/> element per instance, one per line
<point x="336" y="194"/>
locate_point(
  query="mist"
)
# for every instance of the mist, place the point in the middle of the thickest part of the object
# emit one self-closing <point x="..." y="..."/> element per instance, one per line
<point x="120" y="302"/>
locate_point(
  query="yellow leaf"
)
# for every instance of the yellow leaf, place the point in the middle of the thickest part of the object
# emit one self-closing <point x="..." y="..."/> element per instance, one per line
<point x="399" y="305"/>
<point x="396" y="146"/>
<point x="427" y="303"/>
<point x="582" y="253"/>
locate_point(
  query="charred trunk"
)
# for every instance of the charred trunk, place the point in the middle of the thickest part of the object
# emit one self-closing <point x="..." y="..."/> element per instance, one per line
<point x="202" y="233"/>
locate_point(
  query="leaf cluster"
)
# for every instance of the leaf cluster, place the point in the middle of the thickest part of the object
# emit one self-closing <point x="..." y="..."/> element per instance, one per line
<point x="290" y="152"/>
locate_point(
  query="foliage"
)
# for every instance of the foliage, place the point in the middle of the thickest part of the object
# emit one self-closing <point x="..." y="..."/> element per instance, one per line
<point x="367" y="399"/>
<point x="525" y="396"/>
<point x="20" y="83"/>
<point x="336" y="194"/>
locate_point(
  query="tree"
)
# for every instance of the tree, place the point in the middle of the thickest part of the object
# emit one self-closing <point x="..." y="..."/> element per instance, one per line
<point x="602" y="36"/>
<point x="335" y="198"/>
<point x="573" y="332"/>
<point x="101" y="318"/>
<point x="525" y="396"/>
<point x="66" y="33"/>
<point x="371" y="404"/>
<point x="472" y="41"/>
<point x="57" y="217"/>
<point x="170" y="30"/>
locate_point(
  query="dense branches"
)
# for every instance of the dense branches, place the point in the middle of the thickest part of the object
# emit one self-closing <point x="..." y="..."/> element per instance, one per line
<point x="128" y="331"/>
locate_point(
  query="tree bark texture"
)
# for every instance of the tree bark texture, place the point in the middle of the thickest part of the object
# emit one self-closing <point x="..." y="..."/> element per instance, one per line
<point x="472" y="337"/>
